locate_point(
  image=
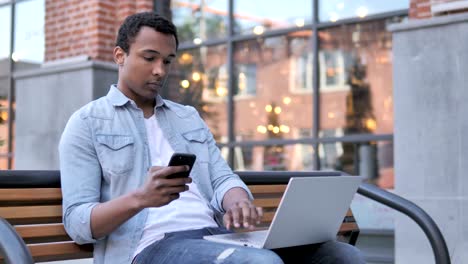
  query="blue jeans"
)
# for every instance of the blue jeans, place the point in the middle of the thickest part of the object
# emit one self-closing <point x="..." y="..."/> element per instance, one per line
<point x="189" y="247"/>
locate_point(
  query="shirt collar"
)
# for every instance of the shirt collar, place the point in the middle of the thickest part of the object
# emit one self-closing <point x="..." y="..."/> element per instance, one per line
<point x="117" y="98"/>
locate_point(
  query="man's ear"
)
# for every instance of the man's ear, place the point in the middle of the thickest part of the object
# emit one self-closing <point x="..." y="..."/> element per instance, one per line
<point x="119" y="55"/>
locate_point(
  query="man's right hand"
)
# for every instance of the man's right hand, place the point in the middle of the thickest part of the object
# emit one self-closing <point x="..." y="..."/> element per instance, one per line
<point x="159" y="190"/>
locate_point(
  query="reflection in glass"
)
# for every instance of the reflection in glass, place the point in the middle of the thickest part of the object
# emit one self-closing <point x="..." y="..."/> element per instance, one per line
<point x="3" y="128"/>
<point x="256" y="17"/>
<point x="200" y="20"/>
<point x="5" y="29"/>
<point x="271" y="81"/>
<point x="29" y="34"/>
<point x="3" y="161"/>
<point x="4" y="82"/>
<point x="297" y="157"/>
<point x="373" y="160"/>
<point x="334" y="10"/>
<point x="356" y="79"/>
<point x="356" y="93"/>
<point x="199" y="78"/>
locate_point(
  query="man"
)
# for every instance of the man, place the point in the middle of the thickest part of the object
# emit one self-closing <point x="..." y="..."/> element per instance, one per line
<point x="113" y="160"/>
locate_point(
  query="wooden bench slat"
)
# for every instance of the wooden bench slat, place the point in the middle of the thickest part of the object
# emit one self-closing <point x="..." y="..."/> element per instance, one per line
<point x="59" y="251"/>
<point x="347" y="227"/>
<point x="59" y="248"/>
<point x="267" y="202"/>
<point x="261" y="189"/>
<point x="31" y="212"/>
<point x="35" y="194"/>
<point x="268" y="216"/>
<point x="41" y="230"/>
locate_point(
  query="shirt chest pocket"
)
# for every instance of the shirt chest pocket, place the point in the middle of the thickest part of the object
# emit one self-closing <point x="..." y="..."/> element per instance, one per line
<point x="116" y="153"/>
<point x="197" y="143"/>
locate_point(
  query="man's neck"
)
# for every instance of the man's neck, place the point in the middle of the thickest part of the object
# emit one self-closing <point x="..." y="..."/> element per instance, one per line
<point x="147" y="106"/>
<point x="147" y="113"/>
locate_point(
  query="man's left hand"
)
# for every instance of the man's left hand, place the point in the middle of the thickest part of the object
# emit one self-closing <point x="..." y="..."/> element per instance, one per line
<point x="242" y="212"/>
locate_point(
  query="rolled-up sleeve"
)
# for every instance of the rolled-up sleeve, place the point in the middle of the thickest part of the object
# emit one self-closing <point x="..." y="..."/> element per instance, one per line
<point x="80" y="178"/>
<point x="222" y="177"/>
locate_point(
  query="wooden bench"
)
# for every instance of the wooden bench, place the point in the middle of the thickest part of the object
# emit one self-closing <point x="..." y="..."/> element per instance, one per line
<point x="31" y="202"/>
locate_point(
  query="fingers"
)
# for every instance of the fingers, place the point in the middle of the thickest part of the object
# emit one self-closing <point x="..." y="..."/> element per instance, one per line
<point x="165" y="171"/>
<point x="175" y="190"/>
<point x="227" y="219"/>
<point x="155" y="168"/>
<point x="246" y="214"/>
<point x="251" y="215"/>
<point x="243" y="214"/>
<point x="235" y="217"/>
<point x="159" y="173"/>
<point x="158" y="190"/>
<point x="259" y="214"/>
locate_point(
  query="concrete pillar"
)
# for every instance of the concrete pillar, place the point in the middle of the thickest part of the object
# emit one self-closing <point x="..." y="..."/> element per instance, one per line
<point x="46" y="98"/>
<point x="431" y="132"/>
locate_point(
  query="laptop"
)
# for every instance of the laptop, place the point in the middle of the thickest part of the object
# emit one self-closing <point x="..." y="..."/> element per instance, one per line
<point x="310" y="211"/>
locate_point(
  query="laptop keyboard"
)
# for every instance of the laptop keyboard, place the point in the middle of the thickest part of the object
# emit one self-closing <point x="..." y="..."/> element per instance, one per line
<point x="256" y="237"/>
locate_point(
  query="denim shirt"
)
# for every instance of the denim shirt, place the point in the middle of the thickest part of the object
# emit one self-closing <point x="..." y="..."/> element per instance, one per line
<point x="104" y="154"/>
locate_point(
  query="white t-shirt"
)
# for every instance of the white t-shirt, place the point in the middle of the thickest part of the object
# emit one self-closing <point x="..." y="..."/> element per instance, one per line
<point x="188" y="212"/>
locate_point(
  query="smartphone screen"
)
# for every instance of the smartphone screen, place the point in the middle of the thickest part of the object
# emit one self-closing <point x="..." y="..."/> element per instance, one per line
<point x="178" y="159"/>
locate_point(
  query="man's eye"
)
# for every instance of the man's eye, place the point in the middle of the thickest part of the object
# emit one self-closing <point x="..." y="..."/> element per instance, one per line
<point x="167" y="62"/>
<point x="149" y="58"/>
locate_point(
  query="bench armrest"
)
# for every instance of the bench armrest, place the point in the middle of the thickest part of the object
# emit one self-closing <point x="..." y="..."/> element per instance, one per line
<point x="12" y="247"/>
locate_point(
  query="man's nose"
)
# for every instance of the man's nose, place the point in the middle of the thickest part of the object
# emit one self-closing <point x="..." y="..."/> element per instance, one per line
<point x="159" y="69"/>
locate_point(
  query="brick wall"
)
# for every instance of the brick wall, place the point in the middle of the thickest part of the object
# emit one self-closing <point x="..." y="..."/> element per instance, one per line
<point x="420" y="9"/>
<point x="86" y="27"/>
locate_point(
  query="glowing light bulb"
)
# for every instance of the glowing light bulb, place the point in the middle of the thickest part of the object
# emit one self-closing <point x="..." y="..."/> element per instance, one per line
<point x="185" y="84"/>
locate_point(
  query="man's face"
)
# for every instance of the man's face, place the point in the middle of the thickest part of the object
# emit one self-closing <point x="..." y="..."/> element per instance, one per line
<point x="144" y="69"/>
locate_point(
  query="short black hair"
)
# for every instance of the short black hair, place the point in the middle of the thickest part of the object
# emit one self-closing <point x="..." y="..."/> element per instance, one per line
<point x="133" y="23"/>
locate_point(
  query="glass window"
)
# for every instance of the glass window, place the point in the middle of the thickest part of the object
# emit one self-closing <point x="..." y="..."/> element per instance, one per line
<point x="29" y="28"/>
<point x="3" y="132"/>
<point x="256" y="17"/>
<point x="373" y="160"/>
<point x="245" y="79"/>
<point x="301" y="72"/>
<point x="334" y="10"/>
<point x="385" y="178"/>
<point x="5" y="30"/>
<point x="266" y="104"/>
<point x="199" y="79"/>
<point x="4" y="89"/>
<point x="3" y="162"/>
<point x="296" y="157"/>
<point x="332" y="72"/>
<point x="301" y="62"/>
<point x="356" y="88"/>
<point x="198" y="21"/>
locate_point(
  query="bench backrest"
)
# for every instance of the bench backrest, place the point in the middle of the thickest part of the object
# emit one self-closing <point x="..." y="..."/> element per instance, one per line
<point x="36" y="215"/>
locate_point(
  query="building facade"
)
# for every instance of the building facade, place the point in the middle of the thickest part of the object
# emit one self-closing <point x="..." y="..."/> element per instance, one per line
<point x="276" y="95"/>
<point x="307" y="86"/>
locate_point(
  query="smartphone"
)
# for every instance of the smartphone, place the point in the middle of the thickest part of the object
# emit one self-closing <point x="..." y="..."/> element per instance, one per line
<point x="178" y="159"/>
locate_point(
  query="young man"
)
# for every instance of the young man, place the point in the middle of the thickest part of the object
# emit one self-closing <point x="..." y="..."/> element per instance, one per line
<point x="113" y="160"/>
